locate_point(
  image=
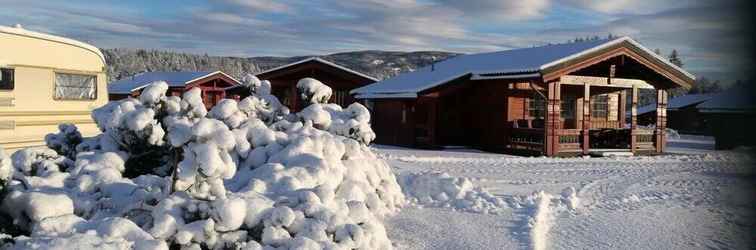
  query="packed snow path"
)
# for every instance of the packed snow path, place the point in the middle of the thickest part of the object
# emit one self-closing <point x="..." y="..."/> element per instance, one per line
<point x="694" y="201"/>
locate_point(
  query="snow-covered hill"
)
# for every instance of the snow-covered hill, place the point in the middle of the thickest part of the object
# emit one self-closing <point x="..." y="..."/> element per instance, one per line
<point x="379" y="64"/>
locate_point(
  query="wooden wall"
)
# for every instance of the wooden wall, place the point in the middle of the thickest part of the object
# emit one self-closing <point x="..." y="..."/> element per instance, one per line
<point x="392" y="121"/>
<point x="284" y="82"/>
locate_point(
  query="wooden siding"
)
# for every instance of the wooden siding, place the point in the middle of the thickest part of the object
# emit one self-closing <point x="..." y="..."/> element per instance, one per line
<point x="284" y="83"/>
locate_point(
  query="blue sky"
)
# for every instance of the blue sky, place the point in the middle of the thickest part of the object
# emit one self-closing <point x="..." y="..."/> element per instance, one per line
<point x="707" y="33"/>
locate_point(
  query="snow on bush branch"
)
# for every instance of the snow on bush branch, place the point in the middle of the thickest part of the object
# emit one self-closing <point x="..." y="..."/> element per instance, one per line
<point x="165" y="171"/>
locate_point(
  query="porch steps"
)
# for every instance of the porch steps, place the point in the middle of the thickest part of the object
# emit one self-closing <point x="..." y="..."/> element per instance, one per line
<point x="610" y="152"/>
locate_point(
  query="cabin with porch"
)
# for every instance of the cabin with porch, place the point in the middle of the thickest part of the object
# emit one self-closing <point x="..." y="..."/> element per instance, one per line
<point x="283" y="80"/>
<point x="564" y="99"/>
<point x="212" y="84"/>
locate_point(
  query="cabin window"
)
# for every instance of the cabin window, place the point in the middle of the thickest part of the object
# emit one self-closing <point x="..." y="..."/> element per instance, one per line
<point x="75" y="86"/>
<point x="7" y="79"/>
<point x="600" y="106"/>
<point x="537" y="107"/>
<point x="567" y="108"/>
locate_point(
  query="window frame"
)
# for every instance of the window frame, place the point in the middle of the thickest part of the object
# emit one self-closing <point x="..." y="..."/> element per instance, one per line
<point x="55" y="86"/>
<point x="536" y="105"/>
<point x="600" y="104"/>
<point x="12" y="77"/>
<point x="568" y="108"/>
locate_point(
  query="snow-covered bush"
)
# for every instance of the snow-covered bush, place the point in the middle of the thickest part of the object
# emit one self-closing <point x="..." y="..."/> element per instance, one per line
<point x="245" y="175"/>
<point x="133" y="127"/>
<point x="313" y="91"/>
<point x="442" y="190"/>
<point x="65" y="141"/>
<point x="261" y="104"/>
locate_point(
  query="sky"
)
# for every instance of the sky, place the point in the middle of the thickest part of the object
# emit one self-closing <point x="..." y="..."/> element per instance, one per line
<point x="708" y="34"/>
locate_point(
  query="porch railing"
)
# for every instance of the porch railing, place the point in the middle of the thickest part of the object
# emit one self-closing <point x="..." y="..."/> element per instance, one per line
<point x="569" y="140"/>
<point x="644" y="139"/>
<point x="527" y="139"/>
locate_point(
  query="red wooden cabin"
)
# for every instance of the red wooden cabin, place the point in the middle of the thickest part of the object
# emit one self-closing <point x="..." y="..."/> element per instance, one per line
<point x="284" y="80"/>
<point x="564" y="99"/>
<point x="212" y="84"/>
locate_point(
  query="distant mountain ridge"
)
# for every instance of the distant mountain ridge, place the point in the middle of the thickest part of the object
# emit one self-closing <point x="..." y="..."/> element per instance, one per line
<point x="379" y="64"/>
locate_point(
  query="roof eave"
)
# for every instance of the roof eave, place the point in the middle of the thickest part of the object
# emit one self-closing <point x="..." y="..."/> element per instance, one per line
<point x="318" y="59"/>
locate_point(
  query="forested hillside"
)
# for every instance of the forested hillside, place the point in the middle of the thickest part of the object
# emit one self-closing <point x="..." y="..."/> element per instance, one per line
<point x="380" y="64"/>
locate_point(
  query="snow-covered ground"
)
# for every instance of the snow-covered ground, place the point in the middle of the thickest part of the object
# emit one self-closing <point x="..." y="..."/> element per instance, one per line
<point x="166" y="173"/>
<point x="702" y="199"/>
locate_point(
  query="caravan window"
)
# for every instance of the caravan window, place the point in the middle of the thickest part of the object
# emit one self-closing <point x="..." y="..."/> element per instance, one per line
<point x="75" y="87"/>
<point x="6" y="79"/>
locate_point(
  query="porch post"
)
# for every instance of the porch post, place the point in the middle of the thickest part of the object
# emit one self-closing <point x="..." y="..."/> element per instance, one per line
<point x="633" y="118"/>
<point x="586" y="117"/>
<point x="622" y="108"/>
<point x="550" y="138"/>
<point x="661" y="120"/>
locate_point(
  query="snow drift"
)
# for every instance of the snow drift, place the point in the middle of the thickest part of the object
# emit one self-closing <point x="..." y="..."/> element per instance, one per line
<point x="167" y="172"/>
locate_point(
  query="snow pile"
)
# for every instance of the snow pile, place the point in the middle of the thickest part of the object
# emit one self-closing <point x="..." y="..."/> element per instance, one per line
<point x="109" y="233"/>
<point x="442" y="190"/>
<point x="313" y="91"/>
<point x="261" y="103"/>
<point x="352" y="122"/>
<point x="541" y="220"/>
<point x="542" y="209"/>
<point x="245" y="175"/>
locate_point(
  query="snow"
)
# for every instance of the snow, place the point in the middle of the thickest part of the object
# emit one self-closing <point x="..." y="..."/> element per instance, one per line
<point x="65" y="141"/>
<point x="323" y="61"/>
<point x="516" y="61"/>
<point x="699" y="199"/>
<point x="251" y="175"/>
<point x="678" y="102"/>
<point x="442" y="190"/>
<point x="152" y="94"/>
<point x="165" y="172"/>
<point x="738" y="99"/>
<point x="139" y="81"/>
<point x="313" y="91"/>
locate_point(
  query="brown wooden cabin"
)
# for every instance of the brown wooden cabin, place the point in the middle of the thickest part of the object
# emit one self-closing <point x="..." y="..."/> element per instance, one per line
<point x="731" y="116"/>
<point x="284" y="80"/>
<point x="682" y="114"/>
<point x="564" y="99"/>
<point x="212" y="84"/>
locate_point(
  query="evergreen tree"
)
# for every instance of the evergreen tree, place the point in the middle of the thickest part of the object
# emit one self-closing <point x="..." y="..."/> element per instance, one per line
<point x="674" y="58"/>
<point x="704" y="85"/>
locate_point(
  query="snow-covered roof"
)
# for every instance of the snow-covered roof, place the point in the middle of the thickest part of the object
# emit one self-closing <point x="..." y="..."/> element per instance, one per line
<point x="27" y="33"/>
<point x="318" y="59"/>
<point x="510" y="63"/>
<point x="735" y="100"/>
<point x="174" y="79"/>
<point x="678" y="102"/>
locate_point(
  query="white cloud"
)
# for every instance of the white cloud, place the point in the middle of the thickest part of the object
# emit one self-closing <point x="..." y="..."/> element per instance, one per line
<point x="258" y="5"/>
<point x="634" y="6"/>
<point x="706" y="35"/>
<point x="500" y="9"/>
